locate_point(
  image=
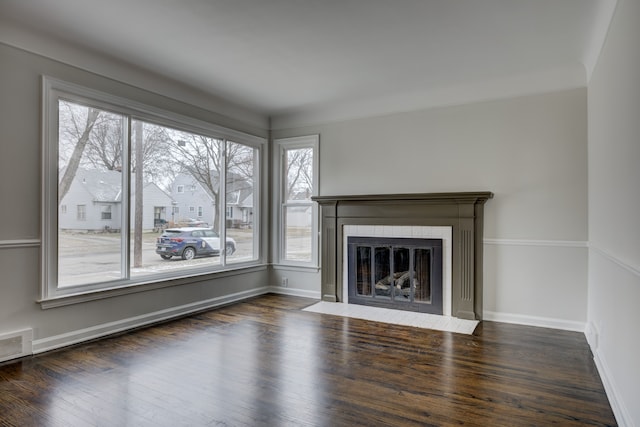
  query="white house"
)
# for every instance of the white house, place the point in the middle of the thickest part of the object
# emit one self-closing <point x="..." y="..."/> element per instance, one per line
<point x="94" y="202"/>
<point x="193" y="201"/>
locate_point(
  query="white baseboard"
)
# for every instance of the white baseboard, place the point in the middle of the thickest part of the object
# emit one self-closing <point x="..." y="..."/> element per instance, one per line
<point x="86" y="334"/>
<point x="295" y="292"/>
<point x="544" y="322"/>
<point x="620" y="411"/>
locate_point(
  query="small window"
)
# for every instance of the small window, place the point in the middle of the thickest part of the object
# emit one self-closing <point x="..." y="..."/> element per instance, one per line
<point x="180" y="189"/>
<point x="192" y="209"/>
<point x="63" y="209"/>
<point x="199" y="211"/>
<point x="82" y="213"/>
<point x="106" y="213"/>
<point x="298" y="181"/>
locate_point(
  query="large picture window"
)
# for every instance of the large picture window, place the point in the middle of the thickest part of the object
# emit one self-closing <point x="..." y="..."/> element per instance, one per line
<point x="126" y="166"/>
<point x="298" y="182"/>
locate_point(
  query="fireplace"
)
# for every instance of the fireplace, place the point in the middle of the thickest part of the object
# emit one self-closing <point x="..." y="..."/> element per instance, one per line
<point x="462" y="212"/>
<point x="397" y="273"/>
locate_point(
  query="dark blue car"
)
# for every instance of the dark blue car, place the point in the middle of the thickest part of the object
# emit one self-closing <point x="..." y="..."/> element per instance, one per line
<point x="190" y="242"/>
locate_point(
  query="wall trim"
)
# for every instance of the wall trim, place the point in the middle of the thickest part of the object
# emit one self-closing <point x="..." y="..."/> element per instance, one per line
<point x="620" y="411"/>
<point x="105" y="329"/>
<point x="19" y="243"/>
<point x="531" y="242"/>
<point x="295" y="292"/>
<point x="543" y="322"/>
<point x="611" y="257"/>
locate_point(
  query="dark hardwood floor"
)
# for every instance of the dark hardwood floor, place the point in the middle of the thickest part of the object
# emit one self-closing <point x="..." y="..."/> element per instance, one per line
<point x="266" y="362"/>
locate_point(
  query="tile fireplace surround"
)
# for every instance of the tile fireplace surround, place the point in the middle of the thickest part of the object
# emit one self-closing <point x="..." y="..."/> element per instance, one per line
<point x="462" y="211"/>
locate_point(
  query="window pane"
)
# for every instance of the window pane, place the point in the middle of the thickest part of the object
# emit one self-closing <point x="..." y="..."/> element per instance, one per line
<point x="178" y="172"/>
<point x="90" y="144"/>
<point x="298" y="174"/>
<point x="297" y="232"/>
<point x="240" y="200"/>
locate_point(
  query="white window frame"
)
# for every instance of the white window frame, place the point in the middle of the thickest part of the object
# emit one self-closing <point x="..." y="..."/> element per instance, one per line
<point x="281" y="145"/>
<point x="52" y="91"/>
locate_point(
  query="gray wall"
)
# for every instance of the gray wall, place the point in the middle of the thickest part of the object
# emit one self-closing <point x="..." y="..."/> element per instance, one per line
<point x="20" y="107"/>
<point x="614" y="213"/>
<point x="530" y="151"/>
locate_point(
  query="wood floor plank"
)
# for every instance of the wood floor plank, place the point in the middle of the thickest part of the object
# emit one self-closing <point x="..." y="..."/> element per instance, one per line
<point x="266" y="362"/>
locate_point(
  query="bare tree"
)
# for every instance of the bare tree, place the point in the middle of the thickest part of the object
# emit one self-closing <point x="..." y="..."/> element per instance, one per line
<point x="299" y="171"/>
<point x="104" y="149"/>
<point x="157" y="163"/>
<point x="240" y="163"/>
<point x="80" y="133"/>
<point x="201" y="157"/>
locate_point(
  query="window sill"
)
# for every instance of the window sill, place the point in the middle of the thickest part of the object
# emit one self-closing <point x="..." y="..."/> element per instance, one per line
<point x="93" y="295"/>
<point x="296" y="267"/>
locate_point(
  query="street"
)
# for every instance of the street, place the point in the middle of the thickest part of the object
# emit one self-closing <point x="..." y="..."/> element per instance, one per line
<point x="86" y="258"/>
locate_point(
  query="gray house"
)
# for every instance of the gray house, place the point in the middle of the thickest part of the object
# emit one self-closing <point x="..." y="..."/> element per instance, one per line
<point x="193" y="201"/>
<point x="94" y="200"/>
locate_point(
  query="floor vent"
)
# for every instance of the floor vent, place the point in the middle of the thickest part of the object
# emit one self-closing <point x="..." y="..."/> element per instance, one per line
<point x="16" y="344"/>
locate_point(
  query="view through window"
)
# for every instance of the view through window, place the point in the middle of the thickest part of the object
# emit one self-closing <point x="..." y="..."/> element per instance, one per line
<point x="131" y="186"/>
<point x="297" y="212"/>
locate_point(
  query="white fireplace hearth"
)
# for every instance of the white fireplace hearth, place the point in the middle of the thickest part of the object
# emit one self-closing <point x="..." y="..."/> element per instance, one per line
<point x="396" y="317"/>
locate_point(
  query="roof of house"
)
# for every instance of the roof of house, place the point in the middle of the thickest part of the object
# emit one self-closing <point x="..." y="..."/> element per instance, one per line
<point x="106" y="185"/>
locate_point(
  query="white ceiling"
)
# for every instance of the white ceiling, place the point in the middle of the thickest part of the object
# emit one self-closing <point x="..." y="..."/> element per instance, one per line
<point x="300" y="61"/>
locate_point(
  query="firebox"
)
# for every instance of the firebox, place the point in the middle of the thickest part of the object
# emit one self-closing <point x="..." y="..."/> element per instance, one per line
<point x="397" y="273"/>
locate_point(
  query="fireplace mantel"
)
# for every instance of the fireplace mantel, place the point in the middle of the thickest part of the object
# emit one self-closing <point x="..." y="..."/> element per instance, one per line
<point x="462" y="211"/>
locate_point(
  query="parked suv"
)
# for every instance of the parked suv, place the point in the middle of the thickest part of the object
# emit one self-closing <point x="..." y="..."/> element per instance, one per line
<point x="190" y="242"/>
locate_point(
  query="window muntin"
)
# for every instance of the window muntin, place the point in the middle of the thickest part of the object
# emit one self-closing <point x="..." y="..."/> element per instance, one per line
<point x="93" y="143"/>
<point x="298" y="164"/>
